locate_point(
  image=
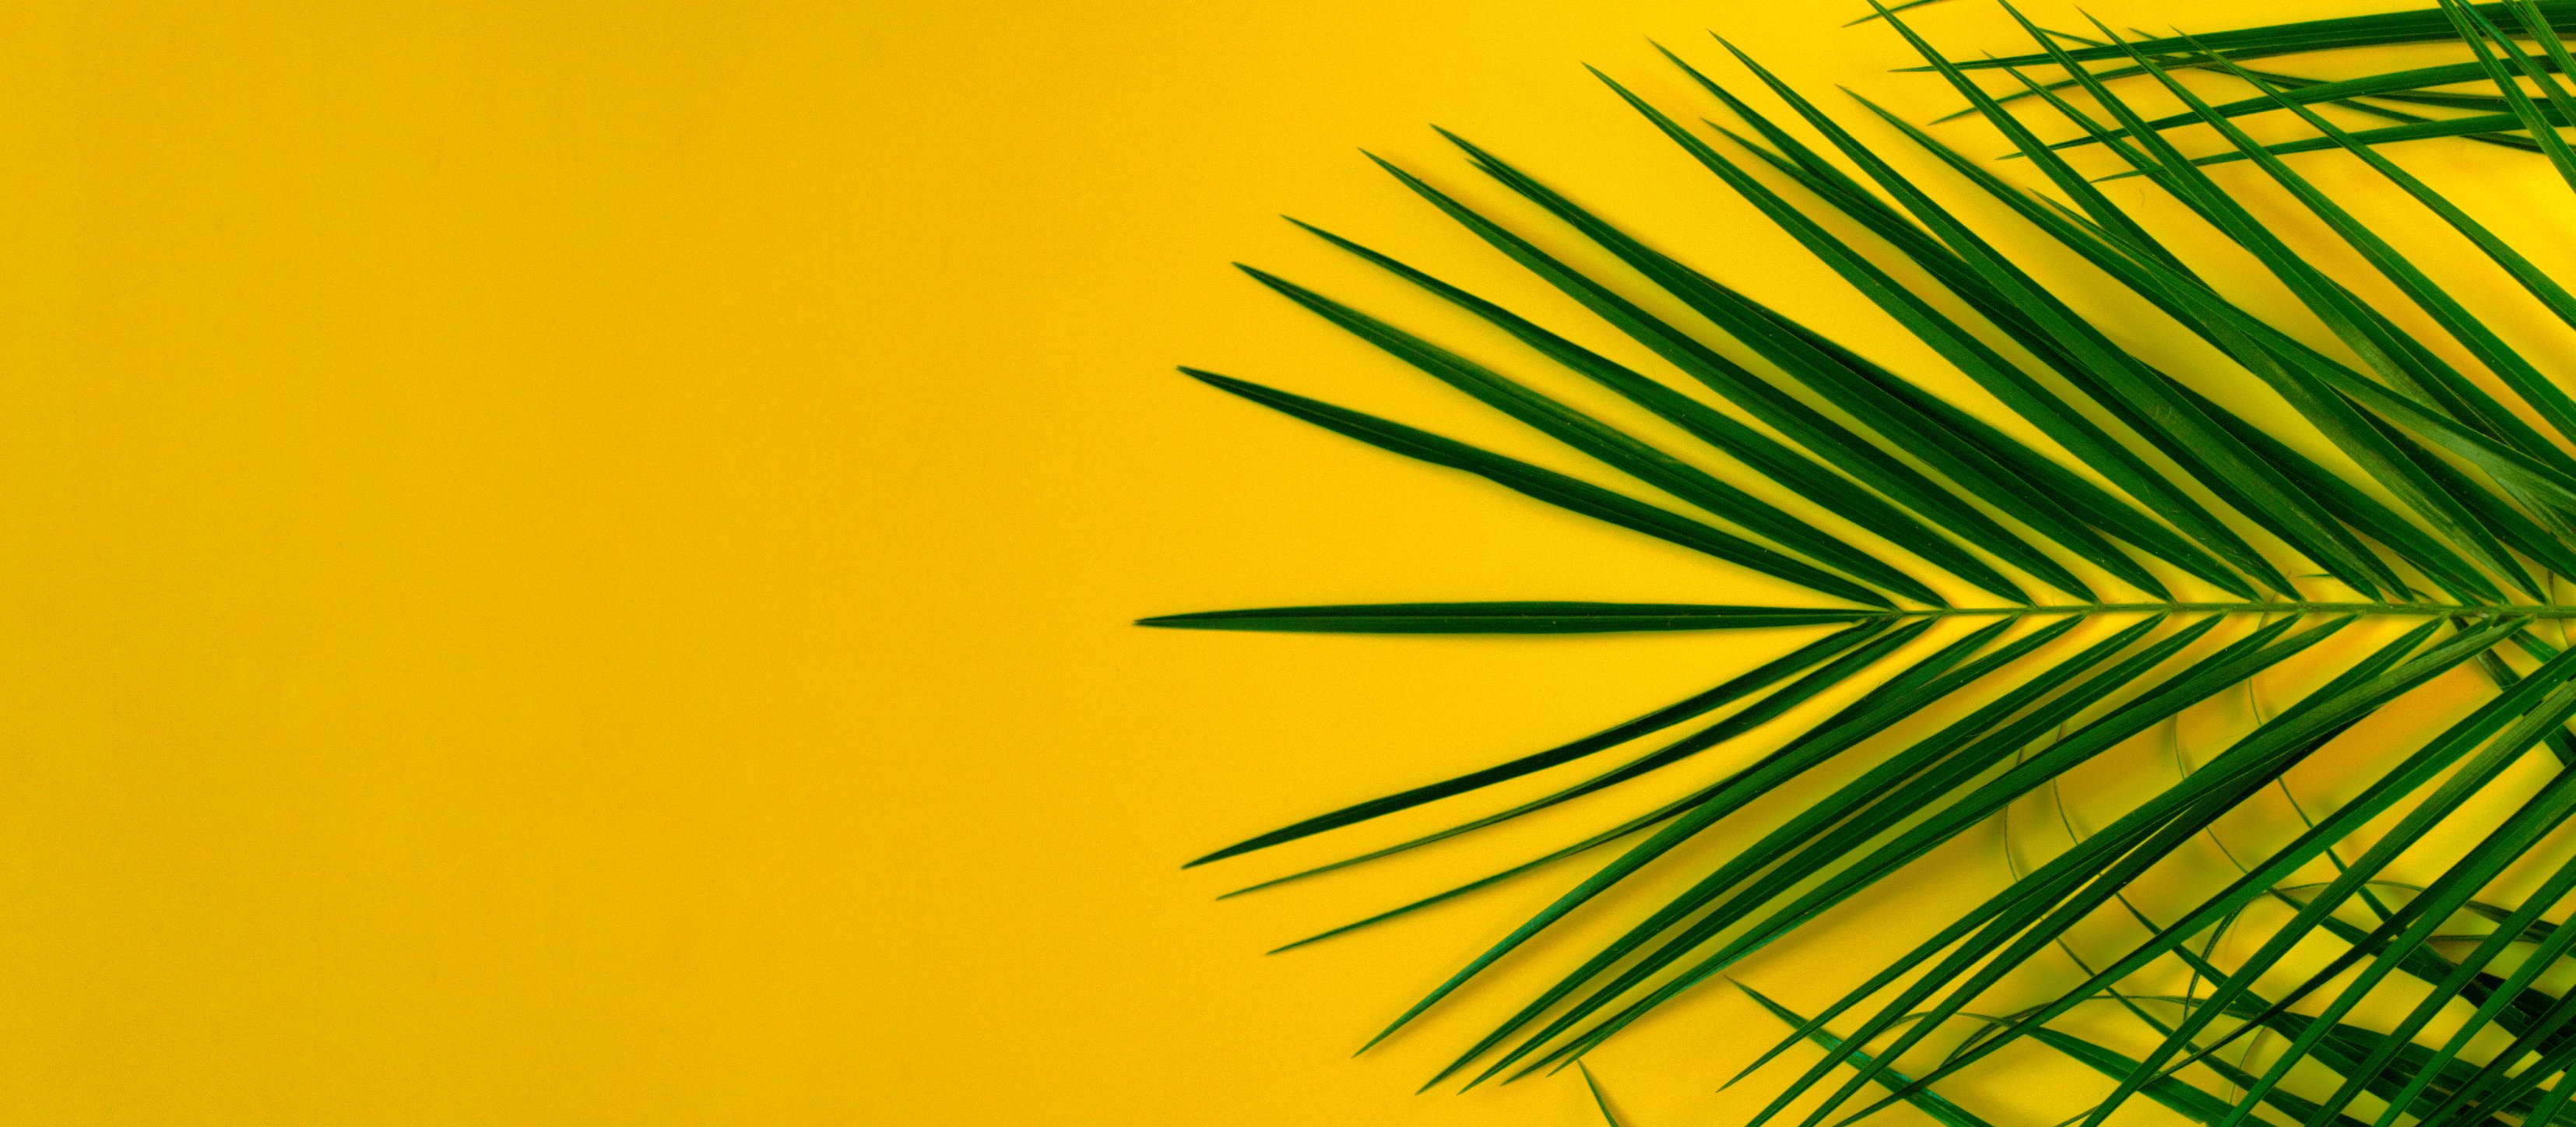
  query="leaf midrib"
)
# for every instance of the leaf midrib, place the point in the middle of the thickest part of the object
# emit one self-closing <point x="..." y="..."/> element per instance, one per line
<point x="2443" y="610"/>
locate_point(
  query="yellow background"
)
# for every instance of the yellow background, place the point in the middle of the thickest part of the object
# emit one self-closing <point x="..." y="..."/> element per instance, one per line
<point x="569" y="563"/>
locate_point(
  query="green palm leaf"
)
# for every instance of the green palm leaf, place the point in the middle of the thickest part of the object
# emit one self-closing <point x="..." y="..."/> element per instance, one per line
<point x="2179" y="550"/>
<point x="2501" y="117"/>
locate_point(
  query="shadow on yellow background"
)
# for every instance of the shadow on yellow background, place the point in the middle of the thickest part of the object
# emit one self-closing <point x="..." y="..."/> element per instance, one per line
<point x="571" y="564"/>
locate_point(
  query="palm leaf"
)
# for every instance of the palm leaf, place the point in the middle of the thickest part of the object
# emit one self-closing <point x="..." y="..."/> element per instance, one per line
<point x="2489" y="118"/>
<point x="2178" y="550"/>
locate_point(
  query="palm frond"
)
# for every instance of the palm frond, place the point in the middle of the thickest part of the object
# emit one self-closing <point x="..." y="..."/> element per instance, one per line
<point x="2486" y="113"/>
<point x="2004" y="611"/>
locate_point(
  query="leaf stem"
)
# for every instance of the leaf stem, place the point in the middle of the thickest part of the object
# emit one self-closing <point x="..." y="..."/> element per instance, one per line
<point x="2435" y="610"/>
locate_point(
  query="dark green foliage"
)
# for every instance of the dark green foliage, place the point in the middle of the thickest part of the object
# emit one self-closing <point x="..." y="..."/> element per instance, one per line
<point x="2154" y="553"/>
<point x="2497" y="115"/>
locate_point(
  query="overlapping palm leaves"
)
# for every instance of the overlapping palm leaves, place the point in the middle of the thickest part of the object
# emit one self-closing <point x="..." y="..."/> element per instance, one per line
<point x="2481" y="112"/>
<point x="2460" y="521"/>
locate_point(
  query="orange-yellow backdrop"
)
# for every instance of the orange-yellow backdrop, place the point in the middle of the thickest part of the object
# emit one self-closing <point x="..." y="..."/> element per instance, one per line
<point x="568" y="563"/>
